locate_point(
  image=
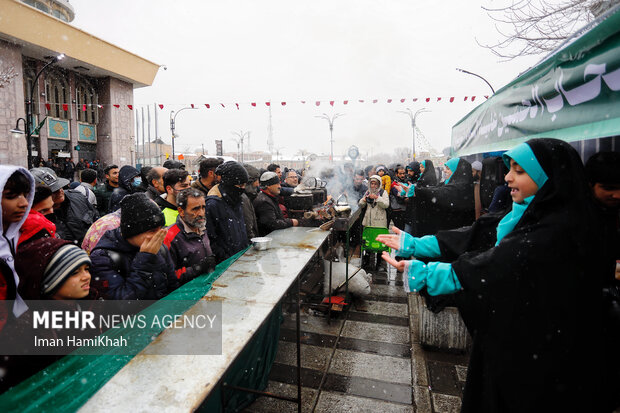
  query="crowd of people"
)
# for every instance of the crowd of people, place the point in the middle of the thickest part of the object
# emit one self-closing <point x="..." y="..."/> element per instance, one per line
<point x="521" y="244"/>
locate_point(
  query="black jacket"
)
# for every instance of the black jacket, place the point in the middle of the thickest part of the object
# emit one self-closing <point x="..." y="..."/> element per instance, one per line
<point x="187" y="250"/>
<point x="269" y="215"/>
<point x="225" y="226"/>
<point x="103" y="193"/>
<point x="74" y="216"/>
<point x="249" y="215"/>
<point x="533" y="303"/>
<point x="125" y="177"/>
<point x="121" y="272"/>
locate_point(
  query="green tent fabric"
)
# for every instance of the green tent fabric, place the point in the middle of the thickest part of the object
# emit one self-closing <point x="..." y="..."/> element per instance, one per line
<point x="67" y="384"/>
<point x="573" y="94"/>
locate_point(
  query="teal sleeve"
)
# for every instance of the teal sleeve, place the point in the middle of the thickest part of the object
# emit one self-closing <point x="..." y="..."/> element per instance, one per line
<point x="427" y="246"/>
<point x="438" y="277"/>
<point x="411" y="191"/>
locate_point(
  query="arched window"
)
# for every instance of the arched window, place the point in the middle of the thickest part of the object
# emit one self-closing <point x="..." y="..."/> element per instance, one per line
<point x="85" y="94"/>
<point x="30" y="72"/>
<point x="57" y="94"/>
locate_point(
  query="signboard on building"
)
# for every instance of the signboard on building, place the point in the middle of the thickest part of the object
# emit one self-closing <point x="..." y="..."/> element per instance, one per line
<point x="87" y="133"/>
<point x="58" y="128"/>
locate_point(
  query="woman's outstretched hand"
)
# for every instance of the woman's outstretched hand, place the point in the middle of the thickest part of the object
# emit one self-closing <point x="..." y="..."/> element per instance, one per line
<point x="399" y="265"/>
<point x="391" y="240"/>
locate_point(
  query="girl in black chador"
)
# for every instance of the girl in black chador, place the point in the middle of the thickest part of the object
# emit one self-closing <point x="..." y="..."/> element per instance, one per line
<point x="528" y="285"/>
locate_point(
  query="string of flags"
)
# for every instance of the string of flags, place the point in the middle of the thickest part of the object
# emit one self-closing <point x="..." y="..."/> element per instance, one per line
<point x="451" y="99"/>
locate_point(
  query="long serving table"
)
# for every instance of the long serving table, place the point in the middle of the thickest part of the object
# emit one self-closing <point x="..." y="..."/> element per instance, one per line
<point x="249" y="290"/>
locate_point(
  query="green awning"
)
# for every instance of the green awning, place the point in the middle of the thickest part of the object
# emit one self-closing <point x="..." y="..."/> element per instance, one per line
<point x="573" y="94"/>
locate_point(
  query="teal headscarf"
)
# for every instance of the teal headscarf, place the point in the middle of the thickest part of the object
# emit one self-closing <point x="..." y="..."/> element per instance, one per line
<point x="523" y="155"/>
<point x="452" y="164"/>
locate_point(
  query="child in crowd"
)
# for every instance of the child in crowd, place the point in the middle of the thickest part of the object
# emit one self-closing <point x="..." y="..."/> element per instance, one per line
<point x="528" y="286"/>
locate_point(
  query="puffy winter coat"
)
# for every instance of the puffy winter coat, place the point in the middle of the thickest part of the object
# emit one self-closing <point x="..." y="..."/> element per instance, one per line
<point x="125" y="177"/>
<point x="121" y="272"/>
<point x="225" y="226"/>
<point x="269" y="215"/>
<point x="376" y="215"/>
<point x="74" y="216"/>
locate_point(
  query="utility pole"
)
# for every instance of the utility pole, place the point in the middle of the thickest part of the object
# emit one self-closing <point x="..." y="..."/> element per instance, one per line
<point x="157" y="154"/>
<point x="241" y="134"/>
<point x="331" y="130"/>
<point x="477" y="75"/>
<point x="413" y="117"/>
<point x="148" y="110"/>
<point x="172" y="124"/>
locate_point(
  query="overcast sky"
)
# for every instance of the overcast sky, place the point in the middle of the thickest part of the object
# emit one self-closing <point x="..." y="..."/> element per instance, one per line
<point x="280" y="50"/>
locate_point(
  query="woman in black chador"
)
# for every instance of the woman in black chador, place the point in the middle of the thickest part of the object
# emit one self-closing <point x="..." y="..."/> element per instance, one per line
<point x="426" y="178"/>
<point x="445" y="206"/>
<point x="528" y="285"/>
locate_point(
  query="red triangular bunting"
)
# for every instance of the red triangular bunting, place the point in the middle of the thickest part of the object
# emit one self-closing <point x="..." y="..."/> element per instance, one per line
<point x="237" y="106"/>
<point x="130" y="107"/>
<point x="374" y="101"/>
<point x="161" y="106"/>
<point x="117" y="106"/>
<point x="318" y="103"/>
<point x="222" y="105"/>
<point x="451" y="99"/>
<point x="207" y="105"/>
<point x="345" y="102"/>
<point x="438" y="99"/>
<point x="331" y="102"/>
<point x="361" y="100"/>
<point x="415" y="99"/>
<point x="83" y="108"/>
<point x="303" y="101"/>
<point x="486" y="96"/>
<point x="389" y="100"/>
<point x="268" y="103"/>
<point x="402" y="101"/>
<point x="283" y="103"/>
<point x="65" y="107"/>
<point x="48" y="106"/>
<point x="100" y="106"/>
<point x="428" y="99"/>
<point x="465" y="99"/>
<point x="253" y="104"/>
<point x="192" y="105"/>
<point x="473" y="98"/>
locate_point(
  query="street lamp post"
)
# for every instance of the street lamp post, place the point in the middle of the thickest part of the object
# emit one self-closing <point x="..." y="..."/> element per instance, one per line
<point x="172" y="124"/>
<point x="413" y="117"/>
<point x="331" y="129"/>
<point x="28" y="120"/>
<point x="241" y="134"/>
<point x="474" y="74"/>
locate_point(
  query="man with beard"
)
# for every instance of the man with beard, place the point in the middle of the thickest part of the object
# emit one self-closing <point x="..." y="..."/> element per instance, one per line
<point x="188" y="240"/>
<point x="225" y="223"/>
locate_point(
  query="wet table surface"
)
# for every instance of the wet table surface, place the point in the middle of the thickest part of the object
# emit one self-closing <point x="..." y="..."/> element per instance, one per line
<point x="248" y="290"/>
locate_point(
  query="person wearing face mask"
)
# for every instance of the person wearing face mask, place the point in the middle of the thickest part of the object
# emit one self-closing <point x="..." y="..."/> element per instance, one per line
<point x="175" y="180"/>
<point x="128" y="182"/>
<point x="224" y="214"/>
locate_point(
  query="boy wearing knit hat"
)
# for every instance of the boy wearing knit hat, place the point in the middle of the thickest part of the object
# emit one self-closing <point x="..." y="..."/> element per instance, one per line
<point x="60" y="272"/>
<point x="224" y="213"/>
<point x="130" y="262"/>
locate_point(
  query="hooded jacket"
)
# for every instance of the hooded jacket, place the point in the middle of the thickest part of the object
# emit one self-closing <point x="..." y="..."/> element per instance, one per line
<point x="225" y="226"/>
<point x="445" y="206"/>
<point x="532" y="300"/>
<point x="8" y="245"/>
<point x="125" y="177"/>
<point x="121" y="271"/>
<point x="74" y="216"/>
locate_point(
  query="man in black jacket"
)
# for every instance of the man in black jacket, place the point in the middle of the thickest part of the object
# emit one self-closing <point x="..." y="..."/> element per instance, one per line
<point x="73" y="214"/>
<point x="267" y="208"/>
<point x="225" y="223"/>
<point x="128" y="181"/>
<point x="104" y="191"/>
<point x="207" y="179"/>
